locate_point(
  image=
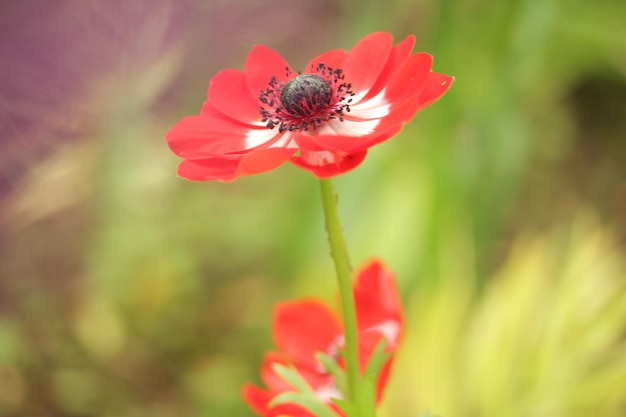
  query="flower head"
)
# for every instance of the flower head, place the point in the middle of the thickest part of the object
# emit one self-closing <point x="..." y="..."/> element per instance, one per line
<point x="304" y="328"/>
<point x="323" y="119"/>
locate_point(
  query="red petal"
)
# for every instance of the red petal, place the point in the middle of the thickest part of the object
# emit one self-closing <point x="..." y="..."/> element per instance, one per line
<point x="391" y="124"/>
<point x="398" y="55"/>
<point x="333" y="59"/>
<point x="411" y="78"/>
<point x="269" y="377"/>
<point x="264" y="160"/>
<point x="230" y="168"/>
<point x="221" y="123"/>
<point x="331" y="143"/>
<point x="257" y="398"/>
<point x="187" y="134"/>
<point x="366" y="60"/>
<point x="436" y="85"/>
<point x="210" y="135"/>
<point x="262" y="64"/>
<point x="383" y="377"/>
<point x="346" y="162"/>
<point x="376" y="296"/>
<point x="316" y="143"/>
<point x="389" y="127"/>
<point x="379" y="137"/>
<point x="214" y="134"/>
<point x="348" y="144"/>
<point x="213" y="169"/>
<point x="228" y="92"/>
<point x="302" y="328"/>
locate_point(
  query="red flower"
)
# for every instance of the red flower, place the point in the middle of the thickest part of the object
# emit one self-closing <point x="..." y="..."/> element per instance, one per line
<point x="323" y="120"/>
<point x="302" y="328"/>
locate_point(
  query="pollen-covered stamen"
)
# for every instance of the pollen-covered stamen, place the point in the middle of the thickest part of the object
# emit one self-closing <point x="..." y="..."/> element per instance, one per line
<point x="306" y="101"/>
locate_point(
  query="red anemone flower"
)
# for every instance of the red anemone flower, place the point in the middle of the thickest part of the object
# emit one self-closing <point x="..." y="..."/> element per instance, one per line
<point x="322" y="120"/>
<point x="303" y="328"/>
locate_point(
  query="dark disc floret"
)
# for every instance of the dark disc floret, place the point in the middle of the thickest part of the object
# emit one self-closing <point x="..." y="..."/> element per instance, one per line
<point x="306" y="95"/>
<point x="306" y="100"/>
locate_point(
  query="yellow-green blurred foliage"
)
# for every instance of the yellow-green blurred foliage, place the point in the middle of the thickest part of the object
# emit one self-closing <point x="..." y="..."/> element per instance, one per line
<point x="126" y="291"/>
<point x="547" y="338"/>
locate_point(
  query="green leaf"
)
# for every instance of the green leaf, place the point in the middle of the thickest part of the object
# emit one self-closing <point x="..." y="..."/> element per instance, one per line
<point x="291" y="375"/>
<point x="308" y="400"/>
<point x="333" y="368"/>
<point x="349" y="408"/>
<point x="367" y="396"/>
<point x="304" y="394"/>
<point x="378" y="359"/>
<point x="367" y="390"/>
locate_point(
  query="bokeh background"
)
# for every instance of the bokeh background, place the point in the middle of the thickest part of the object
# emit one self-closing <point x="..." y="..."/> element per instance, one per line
<point x="126" y="291"/>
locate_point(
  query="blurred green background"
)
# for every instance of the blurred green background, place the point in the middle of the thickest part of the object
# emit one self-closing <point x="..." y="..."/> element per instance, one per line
<point x="126" y="291"/>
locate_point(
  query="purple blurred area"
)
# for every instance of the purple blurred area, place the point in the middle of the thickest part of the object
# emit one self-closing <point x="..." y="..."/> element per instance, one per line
<point x="52" y="53"/>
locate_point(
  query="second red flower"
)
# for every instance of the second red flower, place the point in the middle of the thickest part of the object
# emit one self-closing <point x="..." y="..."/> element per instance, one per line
<point x="304" y="328"/>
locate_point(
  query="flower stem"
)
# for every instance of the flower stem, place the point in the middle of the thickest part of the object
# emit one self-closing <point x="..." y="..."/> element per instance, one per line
<point x="339" y="254"/>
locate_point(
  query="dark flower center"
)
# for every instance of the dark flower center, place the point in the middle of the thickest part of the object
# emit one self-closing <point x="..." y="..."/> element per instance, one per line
<point x="306" y="95"/>
<point x="306" y="101"/>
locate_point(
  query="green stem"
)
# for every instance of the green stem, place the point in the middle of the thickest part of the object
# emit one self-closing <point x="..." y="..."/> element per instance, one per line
<point x="339" y="254"/>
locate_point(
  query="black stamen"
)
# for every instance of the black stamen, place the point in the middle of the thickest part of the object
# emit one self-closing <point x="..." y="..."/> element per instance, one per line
<point x="307" y="100"/>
